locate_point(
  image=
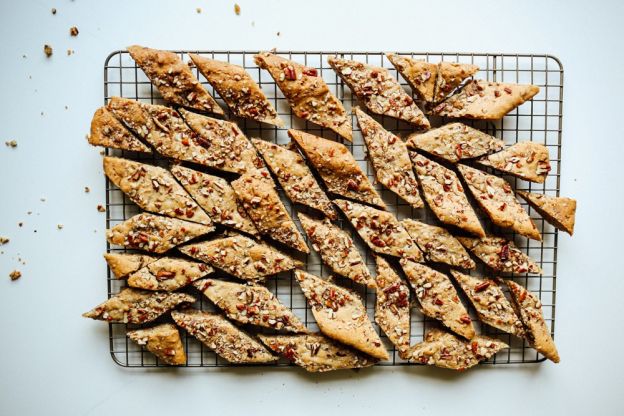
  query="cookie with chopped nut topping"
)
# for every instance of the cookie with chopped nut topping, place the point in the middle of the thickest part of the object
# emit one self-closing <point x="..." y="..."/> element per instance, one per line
<point x="454" y="142"/>
<point x="339" y="170"/>
<point x="163" y="341"/>
<point x="420" y="75"/>
<point x="450" y="76"/>
<point x="390" y="159"/>
<point x="380" y="230"/>
<point x="153" y="189"/>
<point x="216" y="197"/>
<point x="337" y="249"/>
<point x="254" y="305"/>
<point x="122" y="264"/>
<point x="526" y="160"/>
<point x="222" y="337"/>
<point x="438" y="298"/>
<point x="295" y="177"/>
<point x="378" y="90"/>
<point x="316" y="353"/>
<point x="341" y="315"/>
<point x="445" y="350"/>
<point x="438" y="245"/>
<point x="445" y="195"/>
<point x="226" y="146"/>
<point x="168" y="273"/>
<point x="173" y="79"/>
<point x="529" y="308"/>
<point x="498" y="201"/>
<point x="241" y="257"/>
<point x="392" y="306"/>
<point x="239" y="91"/>
<point x="307" y="93"/>
<point x="154" y="233"/>
<point x="256" y="191"/>
<point x="558" y="211"/>
<point x="490" y="302"/>
<point x="137" y="306"/>
<point x="500" y="254"/>
<point x="485" y="100"/>
<point x="107" y="131"/>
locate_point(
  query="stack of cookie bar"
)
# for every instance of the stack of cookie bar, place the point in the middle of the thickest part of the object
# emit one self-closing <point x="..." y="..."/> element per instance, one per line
<point x="215" y="226"/>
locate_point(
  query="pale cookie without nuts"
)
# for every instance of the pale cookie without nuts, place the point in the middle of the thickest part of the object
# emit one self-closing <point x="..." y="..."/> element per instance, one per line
<point x="154" y="233"/>
<point x="316" y="353"/>
<point x="392" y="306"/>
<point x="500" y="254"/>
<point x="163" y="341"/>
<point x="256" y="191"/>
<point x="153" y="189"/>
<point x="307" y="93"/>
<point x="222" y="337"/>
<point x="122" y="264"/>
<point x="254" y="305"/>
<point x="168" y="274"/>
<point x="499" y="202"/>
<point x="341" y="315"/>
<point x="526" y="160"/>
<point x="445" y="195"/>
<point x="420" y="75"/>
<point x="390" y="158"/>
<point x="438" y="298"/>
<point x="239" y="91"/>
<point x="137" y="306"/>
<point x="380" y="230"/>
<point x="339" y="170"/>
<point x="295" y="177"/>
<point x="337" y="249"/>
<point x="450" y="76"/>
<point x="490" y="302"/>
<point x="529" y="307"/>
<point x="445" y="350"/>
<point x="438" y="245"/>
<point x="485" y="100"/>
<point x="216" y="197"/>
<point x="227" y="147"/>
<point x="558" y="211"/>
<point x="241" y="257"/>
<point x="173" y="79"/>
<point x="380" y="92"/>
<point x="454" y="142"/>
<point x="107" y="131"/>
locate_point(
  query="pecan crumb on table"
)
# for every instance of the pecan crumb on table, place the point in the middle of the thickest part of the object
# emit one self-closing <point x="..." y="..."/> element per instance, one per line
<point x="15" y="274"/>
<point x="47" y="49"/>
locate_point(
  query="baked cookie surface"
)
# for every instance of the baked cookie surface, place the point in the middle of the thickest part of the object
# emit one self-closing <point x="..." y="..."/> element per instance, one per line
<point x="558" y="211"/>
<point x="420" y="75"/>
<point x="107" y="131"/>
<point x="526" y="160"/>
<point x="500" y="254"/>
<point x="122" y="264"/>
<point x="168" y="274"/>
<point x="163" y="341"/>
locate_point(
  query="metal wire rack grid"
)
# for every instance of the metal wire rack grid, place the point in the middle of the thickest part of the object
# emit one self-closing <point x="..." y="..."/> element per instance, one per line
<point x="539" y="120"/>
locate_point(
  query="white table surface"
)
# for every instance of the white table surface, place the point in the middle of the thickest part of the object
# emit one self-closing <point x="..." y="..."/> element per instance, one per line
<point x="52" y="361"/>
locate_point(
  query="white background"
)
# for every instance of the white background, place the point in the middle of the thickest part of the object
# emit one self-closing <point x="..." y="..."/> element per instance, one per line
<point x="52" y="361"/>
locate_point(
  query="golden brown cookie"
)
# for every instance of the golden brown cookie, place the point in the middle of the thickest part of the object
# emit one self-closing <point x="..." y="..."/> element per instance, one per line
<point x="558" y="211"/>
<point x="420" y="75"/>
<point x="526" y="160"/>
<point x="168" y="274"/>
<point x="341" y="315"/>
<point x="339" y="170"/>
<point x="173" y="79"/>
<point x="307" y="93"/>
<point x="163" y="341"/>
<point x="239" y="91"/>
<point x="500" y="254"/>
<point x="107" y="131"/>
<point x="450" y="76"/>
<point x="122" y="264"/>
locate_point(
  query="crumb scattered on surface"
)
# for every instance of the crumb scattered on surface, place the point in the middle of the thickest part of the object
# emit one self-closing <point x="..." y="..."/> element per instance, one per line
<point x="24" y="56"/>
<point x="66" y="108"/>
<point x="87" y="189"/>
<point x="198" y="10"/>
<point x="11" y="143"/>
<point x="20" y="224"/>
<point x="29" y="212"/>
<point x="59" y="226"/>
<point x="101" y="208"/>
<point x="70" y="52"/>
<point x="102" y="152"/>
<point x="42" y="199"/>
<point x="279" y="33"/>
<point x="15" y="274"/>
<point x="47" y="49"/>
<point x="253" y="23"/>
<point x="73" y="31"/>
<point x="53" y="11"/>
<point x="4" y="240"/>
<point x="237" y="9"/>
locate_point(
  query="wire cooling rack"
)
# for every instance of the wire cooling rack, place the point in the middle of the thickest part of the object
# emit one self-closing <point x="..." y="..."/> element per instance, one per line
<point x="539" y="120"/>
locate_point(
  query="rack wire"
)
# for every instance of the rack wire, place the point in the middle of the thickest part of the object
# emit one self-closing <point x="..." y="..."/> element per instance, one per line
<point x="539" y="120"/>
